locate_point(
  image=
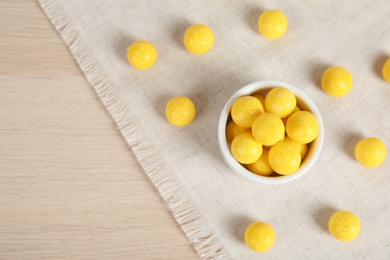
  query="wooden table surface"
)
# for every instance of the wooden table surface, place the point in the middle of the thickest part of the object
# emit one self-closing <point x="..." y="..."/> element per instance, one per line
<point x="70" y="187"/>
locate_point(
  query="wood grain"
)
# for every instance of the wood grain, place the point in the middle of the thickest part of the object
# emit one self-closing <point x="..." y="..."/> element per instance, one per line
<point x="69" y="185"/>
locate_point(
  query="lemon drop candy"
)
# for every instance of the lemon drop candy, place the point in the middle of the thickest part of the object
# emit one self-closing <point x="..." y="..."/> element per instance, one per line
<point x="269" y="146"/>
<point x="198" y="39"/>
<point x="259" y="236"/>
<point x="386" y="71"/>
<point x="245" y="149"/>
<point x="268" y="129"/>
<point x="302" y="127"/>
<point x="245" y="110"/>
<point x="301" y="148"/>
<point x="344" y="226"/>
<point x="296" y="109"/>
<point x="280" y="101"/>
<point x="180" y="111"/>
<point x="261" y="166"/>
<point x="336" y="81"/>
<point x="284" y="159"/>
<point x="232" y="130"/>
<point x="272" y="24"/>
<point x="141" y="55"/>
<point x="261" y="98"/>
<point x="370" y="152"/>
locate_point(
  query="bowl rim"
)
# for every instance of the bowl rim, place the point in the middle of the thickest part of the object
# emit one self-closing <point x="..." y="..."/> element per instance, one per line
<point x="251" y="89"/>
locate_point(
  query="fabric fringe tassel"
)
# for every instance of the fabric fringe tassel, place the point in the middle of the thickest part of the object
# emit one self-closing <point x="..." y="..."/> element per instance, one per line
<point x="192" y="223"/>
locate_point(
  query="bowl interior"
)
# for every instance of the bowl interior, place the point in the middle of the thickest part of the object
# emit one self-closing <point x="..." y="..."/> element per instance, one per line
<point x="303" y="101"/>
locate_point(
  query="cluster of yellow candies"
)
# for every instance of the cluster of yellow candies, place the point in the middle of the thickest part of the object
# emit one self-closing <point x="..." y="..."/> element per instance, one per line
<point x="199" y="39"/>
<point x="337" y="81"/>
<point x="270" y="133"/>
<point x="343" y="225"/>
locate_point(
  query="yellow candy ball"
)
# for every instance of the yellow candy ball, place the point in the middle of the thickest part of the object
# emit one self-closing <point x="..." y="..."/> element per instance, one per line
<point x="272" y="24"/>
<point x="180" y="111"/>
<point x="344" y="226"/>
<point x="268" y="129"/>
<point x="245" y="110"/>
<point x="336" y="81"/>
<point x="302" y="127"/>
<point x="261" y="166"/>
<point x="259" y="236"/>
<point x="261" y="98"/>
<point x="296" y="109"/>
<point x="301" y="148"/>
<point x="245" y="149"/>
<point x="386" y="71"/>
<point x="141" y="55"/>
<point x="198" y="39"/>
<point x="284" y="159"/>
<point x="281" y="102"/>
<point x="232" y="130"/>
<point x="370" y="152"/>
<point x="269" y="146"/>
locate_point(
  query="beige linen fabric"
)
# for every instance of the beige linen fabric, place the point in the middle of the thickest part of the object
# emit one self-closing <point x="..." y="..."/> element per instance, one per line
<point x="211" y="203"/>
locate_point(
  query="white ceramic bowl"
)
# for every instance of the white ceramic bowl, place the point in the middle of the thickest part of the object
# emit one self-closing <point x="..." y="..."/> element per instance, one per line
<point x="303" y="101"/>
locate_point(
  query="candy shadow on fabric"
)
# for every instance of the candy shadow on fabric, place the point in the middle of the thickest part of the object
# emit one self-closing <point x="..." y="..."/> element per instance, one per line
<point x="378" y="64"/>
<point x="237" y="226"/>
<point x="317" y="70"/>
<point x="121" y="46"/>
<point x="178" y="30"/>
<point x="322" y="216"/>
<point x="350" y="142"/>
<point x="160" y="104"/>
<point x="253" y="17"/>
